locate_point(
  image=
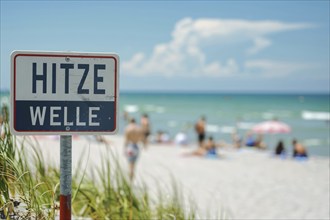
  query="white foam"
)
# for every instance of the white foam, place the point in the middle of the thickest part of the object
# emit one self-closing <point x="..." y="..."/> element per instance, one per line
<point x="227" y="129"/>
<point x="131" y="108"/>
<point x="245" y="125"/>
<point x="154" y="108"/>
<point x="212" y="128"/>
<point x="311" y="115"/>
<point x="312" y="142"/>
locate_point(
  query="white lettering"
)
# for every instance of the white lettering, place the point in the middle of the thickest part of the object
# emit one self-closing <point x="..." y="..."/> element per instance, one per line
<point x="37" y="115"/>
<point x="91" y="116"/>
<point x="78" y="122"/>
<point x="60" y="116"/>
<point x="66" y="123"/>
<point x="53" y="115"/>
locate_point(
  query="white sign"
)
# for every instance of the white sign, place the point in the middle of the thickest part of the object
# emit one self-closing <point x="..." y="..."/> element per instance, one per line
<point x="64" y="93"/>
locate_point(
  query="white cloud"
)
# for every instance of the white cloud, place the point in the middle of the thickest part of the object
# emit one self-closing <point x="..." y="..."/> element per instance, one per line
<point x="185" y="54"/>
<point x="259" y="44"/>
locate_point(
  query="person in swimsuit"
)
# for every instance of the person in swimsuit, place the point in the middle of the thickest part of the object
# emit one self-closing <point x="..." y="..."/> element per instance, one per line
<point x="209" y="149"/>
<point x="299" y="151"/>
<point x="145" y="125"/>
<point x="250" y="140"/>
<point x="280" y="149"/>
<point x="200" y="128"/>
<point x="133" y="135"/>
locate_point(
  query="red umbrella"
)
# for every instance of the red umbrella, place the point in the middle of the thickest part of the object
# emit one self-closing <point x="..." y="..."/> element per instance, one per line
<point x="271" y="127"/>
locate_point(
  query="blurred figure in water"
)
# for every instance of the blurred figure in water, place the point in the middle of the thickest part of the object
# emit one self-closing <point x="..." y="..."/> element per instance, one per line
<point x="280" y="149"/>
<point x="145" y="125"/>
<point x="200" y="128"/>
<point x="133" y="135"/>
<point x="299" y="151"/>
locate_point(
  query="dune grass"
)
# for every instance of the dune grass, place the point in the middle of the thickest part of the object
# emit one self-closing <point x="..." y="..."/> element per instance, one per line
<point x="29" y="188"/>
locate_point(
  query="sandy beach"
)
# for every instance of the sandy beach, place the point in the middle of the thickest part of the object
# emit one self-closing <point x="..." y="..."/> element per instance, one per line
<point x="243" y="184"/>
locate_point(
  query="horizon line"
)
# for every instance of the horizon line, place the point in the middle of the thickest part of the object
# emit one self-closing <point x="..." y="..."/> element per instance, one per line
<point x="259" y="92"/>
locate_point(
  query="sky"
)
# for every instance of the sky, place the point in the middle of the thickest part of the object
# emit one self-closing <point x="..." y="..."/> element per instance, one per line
<point x="203" y="46"/>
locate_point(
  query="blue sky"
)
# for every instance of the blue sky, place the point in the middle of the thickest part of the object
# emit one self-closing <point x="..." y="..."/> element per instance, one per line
<point x="237" y="46"/>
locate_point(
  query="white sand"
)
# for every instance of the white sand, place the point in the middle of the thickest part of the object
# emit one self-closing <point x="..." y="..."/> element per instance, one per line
<point x="244" y="184"/>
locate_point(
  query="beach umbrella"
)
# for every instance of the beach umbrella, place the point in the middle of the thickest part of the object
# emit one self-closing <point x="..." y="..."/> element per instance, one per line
<point x="271" y="127"/>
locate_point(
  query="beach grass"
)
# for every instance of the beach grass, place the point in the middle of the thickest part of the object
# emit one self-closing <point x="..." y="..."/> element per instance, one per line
<point x="30" y="188"/>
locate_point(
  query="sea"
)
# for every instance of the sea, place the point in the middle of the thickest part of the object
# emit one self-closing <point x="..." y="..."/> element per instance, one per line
<point x="308" y="115"/>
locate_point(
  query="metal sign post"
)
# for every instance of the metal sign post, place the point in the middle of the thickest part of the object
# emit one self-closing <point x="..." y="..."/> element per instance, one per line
<point x="65" y="177"/>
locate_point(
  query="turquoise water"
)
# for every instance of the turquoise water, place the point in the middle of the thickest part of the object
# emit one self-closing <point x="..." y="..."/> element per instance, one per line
<point x="178" y="112"/>
<point x="175" y="112"/>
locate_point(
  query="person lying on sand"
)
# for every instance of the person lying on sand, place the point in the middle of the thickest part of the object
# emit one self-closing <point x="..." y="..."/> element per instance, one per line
<point x="209" y="149"/>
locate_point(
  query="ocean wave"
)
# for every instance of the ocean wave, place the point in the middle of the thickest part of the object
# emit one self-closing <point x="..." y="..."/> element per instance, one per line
<point x="154" y="108"/>
<point x="312" y="142"/>
<point x="311" y="115"/>
<point x="212" y="128"/>
<point x="245" y="125"/>
<point x="215" y="129"/>
<point x="227" y="129"/>
<point x="131" y="108"/>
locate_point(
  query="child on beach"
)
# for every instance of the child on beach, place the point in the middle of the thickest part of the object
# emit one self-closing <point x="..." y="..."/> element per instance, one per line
<point x="249" y="140"/>
<point x="299" y="151"/>
<point x="280" y="149"/>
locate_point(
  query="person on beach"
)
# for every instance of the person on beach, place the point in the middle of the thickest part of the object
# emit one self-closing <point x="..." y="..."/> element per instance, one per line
<point x="249" y="140"/>
<point x="209" y="149"/>
<point x="200" y="128"/>
<point x="162" y="137"/>
<point x="299" y="151"/>
<point x="259" y="143"/>
<point x="181" y="139"/>
<point x="236" y="140"/>
<point x="145" y="125"/>
<point x="280" y="149"/>
<point x="133" y="135"/>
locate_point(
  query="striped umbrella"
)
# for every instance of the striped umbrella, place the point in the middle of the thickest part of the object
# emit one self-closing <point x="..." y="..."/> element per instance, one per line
<point x="271" y="127"/>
